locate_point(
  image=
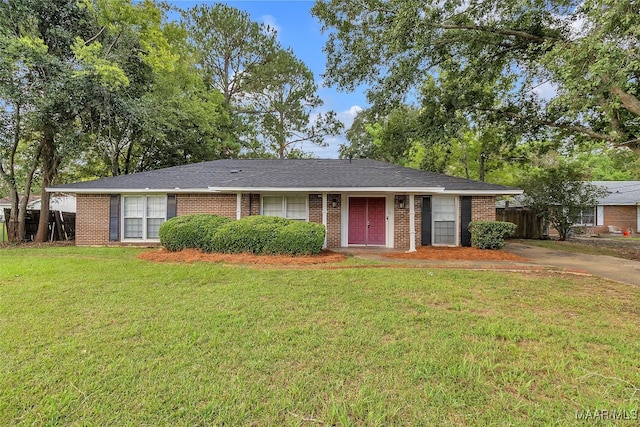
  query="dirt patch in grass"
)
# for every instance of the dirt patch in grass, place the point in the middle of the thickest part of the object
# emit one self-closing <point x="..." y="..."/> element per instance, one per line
<point x="195" y="255"/>
<point x="457" y="254"/>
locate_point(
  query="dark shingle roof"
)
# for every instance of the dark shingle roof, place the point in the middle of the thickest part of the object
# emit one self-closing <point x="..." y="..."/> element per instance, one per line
<point x="286" y="175"/>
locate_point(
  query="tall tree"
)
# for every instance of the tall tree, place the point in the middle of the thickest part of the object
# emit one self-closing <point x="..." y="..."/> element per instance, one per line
<point x="231" y="50"/>
<point x="55" y="55"/>
<point x="285" y="102"/>
<point x="583" y="53"/>
<point x="271" y="93"/>
<point x="165" y="115"/>
<point x="38" y="57"/>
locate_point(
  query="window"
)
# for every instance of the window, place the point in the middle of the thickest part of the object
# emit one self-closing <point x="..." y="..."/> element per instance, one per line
<point x="292" y="207"/>
<point x="587" y="217"/>
<point x="444" y="212"/>
<point x="142" y="216"/>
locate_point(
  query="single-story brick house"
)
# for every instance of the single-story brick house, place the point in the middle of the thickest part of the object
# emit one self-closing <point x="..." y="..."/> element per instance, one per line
<point x="619" y="208"/>
<point x="360" y="201"/>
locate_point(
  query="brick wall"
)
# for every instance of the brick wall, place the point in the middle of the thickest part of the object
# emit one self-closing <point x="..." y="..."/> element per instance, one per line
<point x="315" y="208"/>
<point x="418" y="219"/>
<point x="483" y="208"/>
<point x="92" y="219"/>
<point x="218" y="204"/>
<point x="625" y="217"/>
<point x="250" y="204"/>
<point x="333" y="221"/>
<point x="401" y="234"/>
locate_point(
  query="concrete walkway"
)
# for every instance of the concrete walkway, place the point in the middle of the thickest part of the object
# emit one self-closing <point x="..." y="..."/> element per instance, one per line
<point x="608" y="267"/>
<point x="611" y="268"/>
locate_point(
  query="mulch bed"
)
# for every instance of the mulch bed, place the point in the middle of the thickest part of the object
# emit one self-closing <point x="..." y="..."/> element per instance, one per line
<point x="326" y="257"/>
<point x="195" y="255"/>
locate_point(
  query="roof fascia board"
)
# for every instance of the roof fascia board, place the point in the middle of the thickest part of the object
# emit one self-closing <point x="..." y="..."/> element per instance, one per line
<point x="483" y="192"/>
<point x="125" y="190"/>
<point x="329" y="189"/>
<point x="441" y="190"/>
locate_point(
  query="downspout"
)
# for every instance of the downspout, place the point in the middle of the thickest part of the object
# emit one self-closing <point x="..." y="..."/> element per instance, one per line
<point x="239" y="206"/>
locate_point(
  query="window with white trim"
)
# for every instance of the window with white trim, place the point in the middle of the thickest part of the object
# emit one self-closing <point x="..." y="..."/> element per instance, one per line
<point x="142" y="216"/>
<point x="587" y="217"/>
<point x="292" y="207"/>
<point x="445" y="212"/>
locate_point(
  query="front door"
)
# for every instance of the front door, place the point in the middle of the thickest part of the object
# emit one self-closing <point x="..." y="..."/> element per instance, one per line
<point x="367" y="221"/>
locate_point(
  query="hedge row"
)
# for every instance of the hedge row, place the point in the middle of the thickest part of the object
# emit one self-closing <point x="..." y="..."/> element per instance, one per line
<point x="490" y="234"/>
<point x="252" y="234"/>
<point x="190" y="231"/>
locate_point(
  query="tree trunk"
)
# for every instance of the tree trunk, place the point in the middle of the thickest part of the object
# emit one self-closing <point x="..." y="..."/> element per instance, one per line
<point x="482" y="166"/>
<point x="13" y="225"/>
<point x="16" y="223"/>
<point x="50" y="163"/>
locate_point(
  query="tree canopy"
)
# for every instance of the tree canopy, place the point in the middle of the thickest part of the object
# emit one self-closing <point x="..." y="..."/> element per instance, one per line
<point x="270" y="92"/>
<point x="543" y="68"/>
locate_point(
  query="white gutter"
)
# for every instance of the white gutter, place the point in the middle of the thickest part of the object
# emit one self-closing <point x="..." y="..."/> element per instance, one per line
<point x="483" y="192"/>
<point x="330" y="189"/>
<point x="177" y="190"/>
<point x="126" y="190"/>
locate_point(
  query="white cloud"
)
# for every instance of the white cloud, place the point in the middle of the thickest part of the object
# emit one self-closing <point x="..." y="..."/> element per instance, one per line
<point x="346" y="117"/>
<point x="546" y="90"/>
<point x="271" y="22"/>
<point x="333" y="142"/>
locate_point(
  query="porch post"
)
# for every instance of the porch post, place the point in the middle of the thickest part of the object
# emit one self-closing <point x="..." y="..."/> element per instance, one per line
<point x="239" y="206"/>
<point x="324" y="219"/>
<point x="412" y="223"/>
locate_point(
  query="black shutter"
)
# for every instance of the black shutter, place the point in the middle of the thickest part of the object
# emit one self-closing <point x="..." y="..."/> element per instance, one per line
<point x="114" y="218"/>
<point x="465" y="219"/>
<point x="171" y="206"/>
<point x="426" y="221"/>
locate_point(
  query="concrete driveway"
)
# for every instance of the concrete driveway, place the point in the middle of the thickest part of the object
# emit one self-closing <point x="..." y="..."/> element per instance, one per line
<point x="608" y="267"/>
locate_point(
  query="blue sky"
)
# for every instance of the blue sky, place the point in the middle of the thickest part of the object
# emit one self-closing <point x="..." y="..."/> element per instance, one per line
<point x="300" y="31"/>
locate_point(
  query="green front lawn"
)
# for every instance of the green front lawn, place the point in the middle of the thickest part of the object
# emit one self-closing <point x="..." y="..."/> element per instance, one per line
<point x="94" y="336"/>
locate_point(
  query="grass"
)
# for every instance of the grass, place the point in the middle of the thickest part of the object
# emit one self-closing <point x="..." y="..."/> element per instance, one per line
<point x="627" y="247"/>
<point x="94" y="336"/>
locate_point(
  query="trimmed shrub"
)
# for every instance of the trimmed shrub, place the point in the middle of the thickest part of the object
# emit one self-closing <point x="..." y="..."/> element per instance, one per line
<point x="190" y="231"/>
<point x="299" y="238"/>
<point x="490" y="234"/>
<point x="252" y="234"/>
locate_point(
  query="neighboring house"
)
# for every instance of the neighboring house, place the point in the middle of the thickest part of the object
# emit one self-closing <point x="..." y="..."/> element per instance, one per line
<point x="5" y="203"/>
<point x="62" y="203"/>
<point x="619" y="208"/>
<point x="360" y="202"/>
<point x="62" y="216"/>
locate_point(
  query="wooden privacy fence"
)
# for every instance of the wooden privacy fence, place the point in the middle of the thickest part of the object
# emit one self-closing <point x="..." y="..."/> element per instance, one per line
<point x="62" y="225"/>
<point x="530" y="225"/>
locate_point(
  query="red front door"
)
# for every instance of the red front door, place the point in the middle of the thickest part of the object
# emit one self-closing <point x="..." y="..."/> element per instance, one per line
<point x="367" y="221"/>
